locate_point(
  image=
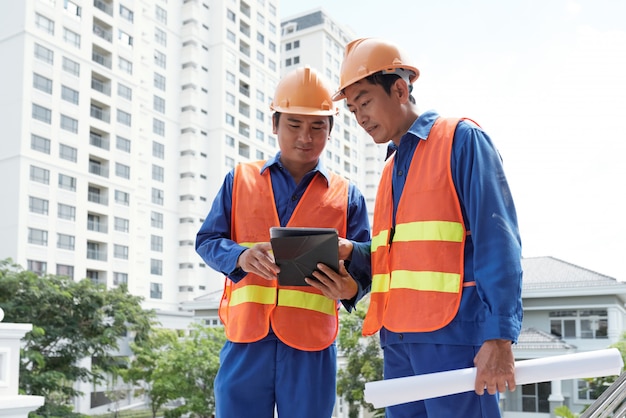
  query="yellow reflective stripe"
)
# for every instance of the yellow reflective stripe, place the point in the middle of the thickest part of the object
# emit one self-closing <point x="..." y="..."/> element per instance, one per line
<point x="311" y="301"/>
<point x="251" y="293"/>
<point x="380" y="283"/>
<point x="380" y="240"/>
<point x="246" y="244"/>
<point x="426" y="280"/>
<point x="429" y="231"/>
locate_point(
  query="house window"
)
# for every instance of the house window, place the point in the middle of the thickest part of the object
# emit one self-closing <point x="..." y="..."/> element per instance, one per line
<point x="125" y="66"/>
<point x="124" y="91"/>
<point x="71" y="67"/>
<point x="37" y="236"/>
<point x="159" y="81"/>
<point x="156" y="291"/>
<point x="122" y="144"/>
<point x="69" y="124"/>
<point x="156" y="243"/>
<point x="158" y="150"/>
<point x="68" y="153"/>
<point x="120" y="251"/>
<point x="37" y="267"/>
<point x="71" y="37"/>
<point x="44" y="54"/>
<point x="157" y="196"/>
<point x="42" y="83"/>
<point x="37" y="205"/>
<point x="535" y="397"/>
<point x="69" y="95"/>
<point x="124" y="117"/>
<point x="156" y="267"/>
<point x="120" y="278"/>
<point x="126" y="13"/>
<point x="39" y="143"/>
<point x="156" y="220"/>
<point x="158" y="127"/>
<point x="66" y="212"/>
<point x="44" y="23"/>
<point x="586" y="323"/>
<point x="121" y="224"/>
<point x="65" y="270"/>
<point x="65" y="242"/>
<point x="589" y="391"/>
<point x="40" y="175"/>
<point x="122" y="198"/>
<point x="122" y="170"/>
<point x="42" y="113"/>
<point x="158" y="173"/>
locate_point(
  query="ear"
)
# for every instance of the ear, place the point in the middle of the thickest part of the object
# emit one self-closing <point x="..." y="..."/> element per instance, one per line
<point x="401" y="90"/>
<point x="274" y="127"/>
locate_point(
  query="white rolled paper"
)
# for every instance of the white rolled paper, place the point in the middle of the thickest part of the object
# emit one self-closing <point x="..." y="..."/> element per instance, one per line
<point x="597" y="363"/>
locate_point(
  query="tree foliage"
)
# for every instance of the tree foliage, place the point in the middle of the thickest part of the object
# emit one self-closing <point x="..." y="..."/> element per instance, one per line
<point x="167" y="368"/>
<point x="72" y="320"/>
<point x="364" y="362"/>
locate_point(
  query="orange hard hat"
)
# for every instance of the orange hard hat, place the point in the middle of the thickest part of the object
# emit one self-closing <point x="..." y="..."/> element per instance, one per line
<point x="366" y="56"/>
<point x="303" y="92"/>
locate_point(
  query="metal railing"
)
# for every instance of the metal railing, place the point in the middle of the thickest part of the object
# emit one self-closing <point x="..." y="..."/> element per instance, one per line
<point x="612" y="402"/>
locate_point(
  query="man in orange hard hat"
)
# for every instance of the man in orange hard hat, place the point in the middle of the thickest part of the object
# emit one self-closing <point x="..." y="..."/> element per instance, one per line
<point x="281" y="351"/>
<point x="446" y="250"/>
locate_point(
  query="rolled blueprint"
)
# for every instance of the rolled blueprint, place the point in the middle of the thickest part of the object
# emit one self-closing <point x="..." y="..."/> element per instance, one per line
<point x="597" y="363"/>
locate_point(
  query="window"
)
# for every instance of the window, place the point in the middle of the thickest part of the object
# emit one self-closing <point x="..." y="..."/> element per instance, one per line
<point x="156" y="243"/>
<point x="588" y="391"/>
<point x="125" y="39"/>
<point x="159" y="81"/>
<point x="260" y="135"/>
<point x="65" y="242"/>
<point x="69" y="124"/>
<point x="37" y="267"/>
<point x="97" y="223"/>
<point x="160" y="59"/>
<point x="160" y="15"/>
<point x="158" y="127"/>
<point x="42" y="113"/>
<point x="158" y="150"/>
<point x="37" y="236"/>
<point x="157" y="196"/>
<point x="126" y="13"/>
<point x="71" y="37"/>
<point x="125" y="65"/>
<point x="230" y="141"/>
<point x="44" y="24"/>
<point x="272" y="46"/>
<point x="123" y="117"/>
<point x="120" y="251"/>
<point x="156" y="220"/>
<point x="40" y="175"/>
<point x="124" y="91"/>
<point x="156" y="291"/>
<point x="156" y="267"/>
<point x="122" y="144"/>
<point x="120" y="278"/>
<point x="65" y="270"/>
<point x="158" y="173"/>
<point x="230" y="35"/>
<point x="71" y="67"/>
<point x="122" y="170"/>
<point x="121" y="224"/>
<point x="160" y="37"/>
<point x="42" y="83"/>
<point x="39" y="143"/>
<point x="69" y="95"/>
<point x="159" y="104"/>
<point x="230" y="15"/>
<point x="122" y="198"/>
<point x="72" y="8"/>
<point x="67" y="182"/>
<point x="37" y="205"/>
<point x="66" y="212"/>
<point x="44" y="54"/>
<point x="535" y="397"/>
<point x="68" y="153"/>
<point x="230" y="120"/>
<point x="96" y="251"/>
<point x="586" y="324"/>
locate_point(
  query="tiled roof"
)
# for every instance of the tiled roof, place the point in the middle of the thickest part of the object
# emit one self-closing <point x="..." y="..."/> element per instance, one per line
<point x="552" y="273"/>
<point x="534" y="339"/>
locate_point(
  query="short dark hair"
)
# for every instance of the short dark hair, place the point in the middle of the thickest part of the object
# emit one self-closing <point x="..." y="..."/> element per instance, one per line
<point x="276" y="118"/>
<point x="386" y="81"/>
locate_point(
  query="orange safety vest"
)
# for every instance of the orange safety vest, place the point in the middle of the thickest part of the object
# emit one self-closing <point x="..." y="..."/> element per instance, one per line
<point x="301" y="316"/>
<point x="417" y="267"/>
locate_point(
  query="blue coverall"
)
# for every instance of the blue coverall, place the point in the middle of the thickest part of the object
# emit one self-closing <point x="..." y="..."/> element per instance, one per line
<point x="490" y="310"/>
<point x="254" y="378"/>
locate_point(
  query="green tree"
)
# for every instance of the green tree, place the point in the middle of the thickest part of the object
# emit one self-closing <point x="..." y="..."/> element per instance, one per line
<point x="364" y="362"/>
<point x="190" y="370"/>
<point x="141" y="373"/>
<point x="72" y="320"/>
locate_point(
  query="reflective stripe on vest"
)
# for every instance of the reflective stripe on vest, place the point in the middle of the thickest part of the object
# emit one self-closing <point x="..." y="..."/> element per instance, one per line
<point x="418" y="265"/>
<point x="300" y="316"/>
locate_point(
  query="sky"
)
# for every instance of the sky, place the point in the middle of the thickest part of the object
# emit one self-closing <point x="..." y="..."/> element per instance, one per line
<point x="547" y="81"/>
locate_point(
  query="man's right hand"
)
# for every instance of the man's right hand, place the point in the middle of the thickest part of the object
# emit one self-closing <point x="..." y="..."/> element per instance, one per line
<point x="259" y="260"/>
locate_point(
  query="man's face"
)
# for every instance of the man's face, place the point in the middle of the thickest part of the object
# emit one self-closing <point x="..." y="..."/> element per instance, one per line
<point x="302" y="138"/>
<point x="376" y="111"/>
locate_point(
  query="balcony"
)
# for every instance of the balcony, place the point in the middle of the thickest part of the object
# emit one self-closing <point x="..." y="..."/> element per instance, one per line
<point x="105" y="6"/>
<point x="101" y="57"/>
<point x="102" y="31"/>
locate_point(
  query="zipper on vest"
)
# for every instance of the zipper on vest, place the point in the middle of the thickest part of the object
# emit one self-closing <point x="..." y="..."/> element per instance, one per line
<point x="392" y="231"/>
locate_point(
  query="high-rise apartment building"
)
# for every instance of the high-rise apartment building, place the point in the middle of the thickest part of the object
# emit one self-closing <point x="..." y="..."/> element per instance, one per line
<point x="314" y="38"/>
<point x="120" y="119"/>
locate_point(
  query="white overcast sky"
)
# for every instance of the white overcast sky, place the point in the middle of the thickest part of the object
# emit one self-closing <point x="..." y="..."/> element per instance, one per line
<point x="547" y="81"/>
